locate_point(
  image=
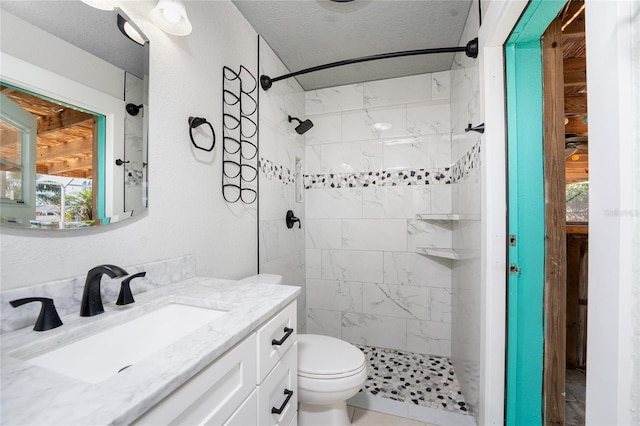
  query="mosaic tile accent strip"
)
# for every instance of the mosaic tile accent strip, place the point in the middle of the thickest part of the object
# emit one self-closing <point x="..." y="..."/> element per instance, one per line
<point x="274" y="171"/>
<point x="444" y="175"/>
<point x="419" y="379"/>
<point x="381" y="178"/>
<point x="468" y="162"/>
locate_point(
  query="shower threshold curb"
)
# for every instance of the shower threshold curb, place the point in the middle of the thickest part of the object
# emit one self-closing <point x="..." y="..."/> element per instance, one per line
<point x="410" y="411"/>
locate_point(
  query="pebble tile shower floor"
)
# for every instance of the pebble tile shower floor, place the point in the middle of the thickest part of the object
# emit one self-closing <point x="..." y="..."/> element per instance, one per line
<point x="424" y="380"/>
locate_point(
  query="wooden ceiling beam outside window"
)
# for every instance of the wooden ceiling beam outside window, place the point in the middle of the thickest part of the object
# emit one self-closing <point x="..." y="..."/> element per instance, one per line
<point x="65" y="135"/>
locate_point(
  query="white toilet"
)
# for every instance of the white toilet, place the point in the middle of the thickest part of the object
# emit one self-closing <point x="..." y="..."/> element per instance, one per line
<point x="330" y="371"/>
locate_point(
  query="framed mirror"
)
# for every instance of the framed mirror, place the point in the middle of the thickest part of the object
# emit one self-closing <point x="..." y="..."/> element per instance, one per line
<point x="73" y="115"/>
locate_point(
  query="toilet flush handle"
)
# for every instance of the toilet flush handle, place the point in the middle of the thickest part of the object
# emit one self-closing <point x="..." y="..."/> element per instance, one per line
<point x="287" y="333"/>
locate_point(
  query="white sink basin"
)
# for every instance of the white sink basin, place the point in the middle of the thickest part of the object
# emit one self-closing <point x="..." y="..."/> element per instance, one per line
<point x="102" y="355"/>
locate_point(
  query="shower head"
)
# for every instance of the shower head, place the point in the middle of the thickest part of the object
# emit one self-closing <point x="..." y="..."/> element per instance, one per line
<point x="303" y="127"/>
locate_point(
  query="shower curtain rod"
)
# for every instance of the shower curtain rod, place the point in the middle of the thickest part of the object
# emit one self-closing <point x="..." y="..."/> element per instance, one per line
<point x="471" y="50"/>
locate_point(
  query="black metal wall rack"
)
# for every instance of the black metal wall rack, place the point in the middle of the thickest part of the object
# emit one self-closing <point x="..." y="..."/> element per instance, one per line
<point x="240" y="132"/>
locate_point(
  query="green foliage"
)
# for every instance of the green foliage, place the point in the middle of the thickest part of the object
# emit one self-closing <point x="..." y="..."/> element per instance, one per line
<point x="578" y="202"/>
<point x="47" y="193"/>
<point x="79" y="206"/>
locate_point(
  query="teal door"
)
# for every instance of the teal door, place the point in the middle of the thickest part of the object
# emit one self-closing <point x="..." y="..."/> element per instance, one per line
<point x="525" y="326"/>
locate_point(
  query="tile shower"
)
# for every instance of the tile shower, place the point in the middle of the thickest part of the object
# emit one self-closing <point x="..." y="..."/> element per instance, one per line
<point x="380" y="153"/>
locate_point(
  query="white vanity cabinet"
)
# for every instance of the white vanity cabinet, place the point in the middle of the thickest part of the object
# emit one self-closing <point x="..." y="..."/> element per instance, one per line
<point x="254" y="383"/>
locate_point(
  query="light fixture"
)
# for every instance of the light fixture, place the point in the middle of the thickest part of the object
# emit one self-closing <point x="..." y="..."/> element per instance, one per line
<point x="130" y="30"/>
<point x="100" y="4"/>
<point x="171" y="17"/>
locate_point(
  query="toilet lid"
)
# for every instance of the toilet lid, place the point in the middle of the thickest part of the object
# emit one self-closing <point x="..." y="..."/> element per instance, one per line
<point x="327" y="357"/>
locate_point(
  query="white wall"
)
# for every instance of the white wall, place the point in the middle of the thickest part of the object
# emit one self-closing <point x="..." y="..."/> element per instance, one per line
<point x="613" y="349"/>
<point x="187" y="214"/>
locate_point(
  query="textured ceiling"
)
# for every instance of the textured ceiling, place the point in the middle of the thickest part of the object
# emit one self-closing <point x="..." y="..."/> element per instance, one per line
<point x="306" y="33"/>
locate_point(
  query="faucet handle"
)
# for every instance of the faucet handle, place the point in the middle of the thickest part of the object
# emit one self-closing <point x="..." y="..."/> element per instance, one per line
<point x="125" y="297"/>
<point x="48" y="318"/>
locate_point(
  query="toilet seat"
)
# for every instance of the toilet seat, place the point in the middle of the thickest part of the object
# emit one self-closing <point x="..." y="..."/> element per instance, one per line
<point x="328" y="358"/>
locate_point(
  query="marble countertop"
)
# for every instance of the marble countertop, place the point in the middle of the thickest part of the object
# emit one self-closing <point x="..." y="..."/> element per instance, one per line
<point x="33" y="395"/>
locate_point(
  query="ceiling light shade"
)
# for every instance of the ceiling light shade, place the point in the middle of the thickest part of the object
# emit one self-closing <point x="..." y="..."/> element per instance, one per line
<point x="100" y="4"/>
<point x="171" y="17"/>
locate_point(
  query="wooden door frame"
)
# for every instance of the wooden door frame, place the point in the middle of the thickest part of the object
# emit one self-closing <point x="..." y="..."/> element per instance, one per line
<point x="555" y="264"/>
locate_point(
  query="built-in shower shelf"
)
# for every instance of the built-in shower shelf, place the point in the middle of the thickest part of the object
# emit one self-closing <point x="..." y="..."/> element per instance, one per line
<point x="446" y="253"/>
<point x="445" y="216"/>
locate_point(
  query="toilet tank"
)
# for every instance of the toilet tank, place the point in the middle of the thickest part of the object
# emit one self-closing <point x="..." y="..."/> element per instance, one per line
<point x="263" y="279"/>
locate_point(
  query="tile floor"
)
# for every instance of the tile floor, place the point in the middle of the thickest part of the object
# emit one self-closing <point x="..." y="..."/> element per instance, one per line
<point x="424" y="380"/>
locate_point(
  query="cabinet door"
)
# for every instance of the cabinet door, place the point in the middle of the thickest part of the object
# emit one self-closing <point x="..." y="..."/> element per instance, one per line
<point x="278" y="394"/>
<point x="276" y="329"/>
<point x="246" y="414"/>
<point x="211" y="396"/>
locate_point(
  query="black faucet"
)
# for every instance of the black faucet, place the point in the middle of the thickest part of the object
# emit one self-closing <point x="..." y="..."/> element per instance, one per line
<point x="91" y="300"/>
<point x="291" y="219"/>
<point x="125" y="297"/>
<point x="48" y="317"/>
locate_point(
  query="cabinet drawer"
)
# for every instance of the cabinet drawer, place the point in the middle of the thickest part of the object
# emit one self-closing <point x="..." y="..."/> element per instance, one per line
<point x="276" y="329"/>
<point x="277" y="388"/>
<point x="246" y="414"/>
<point x="212" y="395"/>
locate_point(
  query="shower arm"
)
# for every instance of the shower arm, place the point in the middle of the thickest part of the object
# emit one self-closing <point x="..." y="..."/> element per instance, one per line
<point x="471" y="50"/>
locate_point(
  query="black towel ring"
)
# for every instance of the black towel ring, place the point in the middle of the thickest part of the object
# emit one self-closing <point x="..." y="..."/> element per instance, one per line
<point x="198" y="121"/>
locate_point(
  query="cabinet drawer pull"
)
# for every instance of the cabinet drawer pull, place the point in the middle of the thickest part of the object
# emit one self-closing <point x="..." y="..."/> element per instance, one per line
<point x="287" y="333"/>
<point x="289" y="394"/>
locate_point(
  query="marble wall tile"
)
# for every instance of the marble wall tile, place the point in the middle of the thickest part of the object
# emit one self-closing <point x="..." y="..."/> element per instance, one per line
<point x="334" y="99"/>
<point x="441" y="201"/>
<point x="352" y="265"/>
<point x="349" y="157"/>
<point x="466" y="298"/>
<point x="441" y="305"/>
<point x="387" y="235"/>
<point x="269" y="136"/>
<point x="290" y="240"/>
<point x="269" y="240"/>
<point x="428" y="234"/>
<point x="344" y="296"/>
<point x="395" y="91"/>
<point x="427" y="152"/>
<point x="429" y="337"/>
<point x="313" y="160"/>
<point x="429" y="118"/>
<point x="313" y="263"/>
<point x="417" y="270"/>
<point x="396" y="301"/>
<point x="325" y="322"/>
<point x="441" y="85"/>
<point x="373" y="330"/>
<point x="323" y="233"/>
<point x="327" y="128"/>
<point x="395" y="201"/>
<point x="333" y="203"/>
<point x="358" y="125"/>
<point x="375" y="257"/>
